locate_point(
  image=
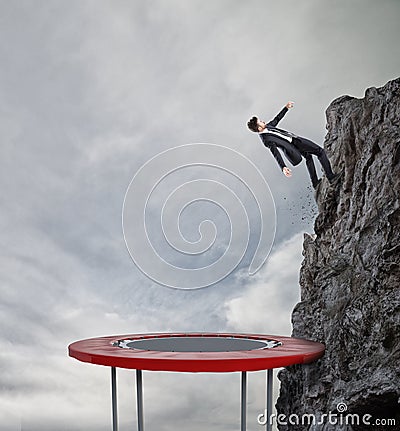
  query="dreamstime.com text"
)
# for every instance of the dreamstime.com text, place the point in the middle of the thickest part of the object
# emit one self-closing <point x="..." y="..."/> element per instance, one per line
<point x="341" y="418"/>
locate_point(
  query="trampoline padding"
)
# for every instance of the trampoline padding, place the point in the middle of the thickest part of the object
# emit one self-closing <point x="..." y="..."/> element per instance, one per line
<point x="196" y="352"/>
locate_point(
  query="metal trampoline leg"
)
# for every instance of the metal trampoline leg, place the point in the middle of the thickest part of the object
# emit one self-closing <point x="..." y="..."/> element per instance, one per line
<point x="270" y="374"/>
<point x="139" y="398"/>
<point x="243" y="402"/>
<point x="114" y="398"/>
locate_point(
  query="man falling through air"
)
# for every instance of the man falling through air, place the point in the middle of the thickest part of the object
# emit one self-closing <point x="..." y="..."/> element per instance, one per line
<point x="293" y="146"/>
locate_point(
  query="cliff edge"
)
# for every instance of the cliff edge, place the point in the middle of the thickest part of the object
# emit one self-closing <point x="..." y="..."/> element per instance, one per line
<point x="350" y="275"/>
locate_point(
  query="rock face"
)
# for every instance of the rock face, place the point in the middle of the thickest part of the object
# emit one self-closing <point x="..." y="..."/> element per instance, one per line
<point x="350" y="275"/>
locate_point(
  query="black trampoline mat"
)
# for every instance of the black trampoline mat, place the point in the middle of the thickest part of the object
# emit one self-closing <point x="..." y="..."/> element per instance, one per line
<point x="197" y="344"/>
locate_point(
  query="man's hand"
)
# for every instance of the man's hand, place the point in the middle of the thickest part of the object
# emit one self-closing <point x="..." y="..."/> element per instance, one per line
<point x="287" y="172"/>
<point x="289" y="105"/>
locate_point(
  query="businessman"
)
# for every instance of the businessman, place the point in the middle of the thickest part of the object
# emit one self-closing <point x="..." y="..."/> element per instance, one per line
<point x="294" y="147"/>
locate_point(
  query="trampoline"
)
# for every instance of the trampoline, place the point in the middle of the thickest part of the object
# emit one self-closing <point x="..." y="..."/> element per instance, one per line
<point x="195" y="352"/>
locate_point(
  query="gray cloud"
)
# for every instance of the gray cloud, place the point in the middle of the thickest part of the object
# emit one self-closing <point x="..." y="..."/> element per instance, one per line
<point x="89" y="92"/>
<point x="273" y="290"/>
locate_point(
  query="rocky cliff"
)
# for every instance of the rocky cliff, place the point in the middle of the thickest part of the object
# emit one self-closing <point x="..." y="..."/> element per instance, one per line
<point x="350" y="275"/>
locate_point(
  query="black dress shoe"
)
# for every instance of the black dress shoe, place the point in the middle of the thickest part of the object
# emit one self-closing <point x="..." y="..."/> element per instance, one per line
<point x="334" y="179"/>
<point x="315" y="185"/>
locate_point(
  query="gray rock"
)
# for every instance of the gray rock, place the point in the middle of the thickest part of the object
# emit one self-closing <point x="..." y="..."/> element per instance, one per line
<point x="350" y="275"/>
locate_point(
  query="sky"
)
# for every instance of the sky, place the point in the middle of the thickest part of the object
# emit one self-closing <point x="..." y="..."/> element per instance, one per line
<point x="90" y="91"/>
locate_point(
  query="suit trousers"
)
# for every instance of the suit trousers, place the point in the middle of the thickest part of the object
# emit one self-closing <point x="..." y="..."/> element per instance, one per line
<point x="308" y="149"/>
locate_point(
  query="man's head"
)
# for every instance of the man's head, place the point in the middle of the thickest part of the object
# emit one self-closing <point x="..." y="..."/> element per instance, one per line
<point x="256" y="125"/>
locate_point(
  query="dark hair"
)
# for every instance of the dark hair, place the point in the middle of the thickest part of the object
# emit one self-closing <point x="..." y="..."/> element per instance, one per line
<point x="252" y="124"/>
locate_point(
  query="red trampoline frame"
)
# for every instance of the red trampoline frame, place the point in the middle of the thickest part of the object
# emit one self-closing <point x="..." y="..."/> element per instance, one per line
<point x="101" y="351"/>
<point x="106" y="351"/>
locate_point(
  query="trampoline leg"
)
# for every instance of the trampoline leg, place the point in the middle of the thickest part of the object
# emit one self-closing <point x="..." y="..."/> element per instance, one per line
<point x="114" y="398"/>
<point x="139" y="398"/>
<point x="269" y="399"/>
<point x="243" y="402"/>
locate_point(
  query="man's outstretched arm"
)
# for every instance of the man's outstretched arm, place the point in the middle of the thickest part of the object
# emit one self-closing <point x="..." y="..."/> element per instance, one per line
<point x="281" y="114"/>
<point x="275" y="152"/>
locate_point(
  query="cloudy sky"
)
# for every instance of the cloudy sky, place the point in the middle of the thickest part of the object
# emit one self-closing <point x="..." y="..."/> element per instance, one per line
<point x="92" y="90"/>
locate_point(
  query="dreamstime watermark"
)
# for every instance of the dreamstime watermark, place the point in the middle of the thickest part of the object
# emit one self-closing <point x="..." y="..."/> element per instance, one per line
<point x="331" y="418"/>
<point x="139" y="220"/>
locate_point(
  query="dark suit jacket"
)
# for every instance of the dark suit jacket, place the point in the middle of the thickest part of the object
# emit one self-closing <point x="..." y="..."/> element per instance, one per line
<point x="273" y="142"/>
